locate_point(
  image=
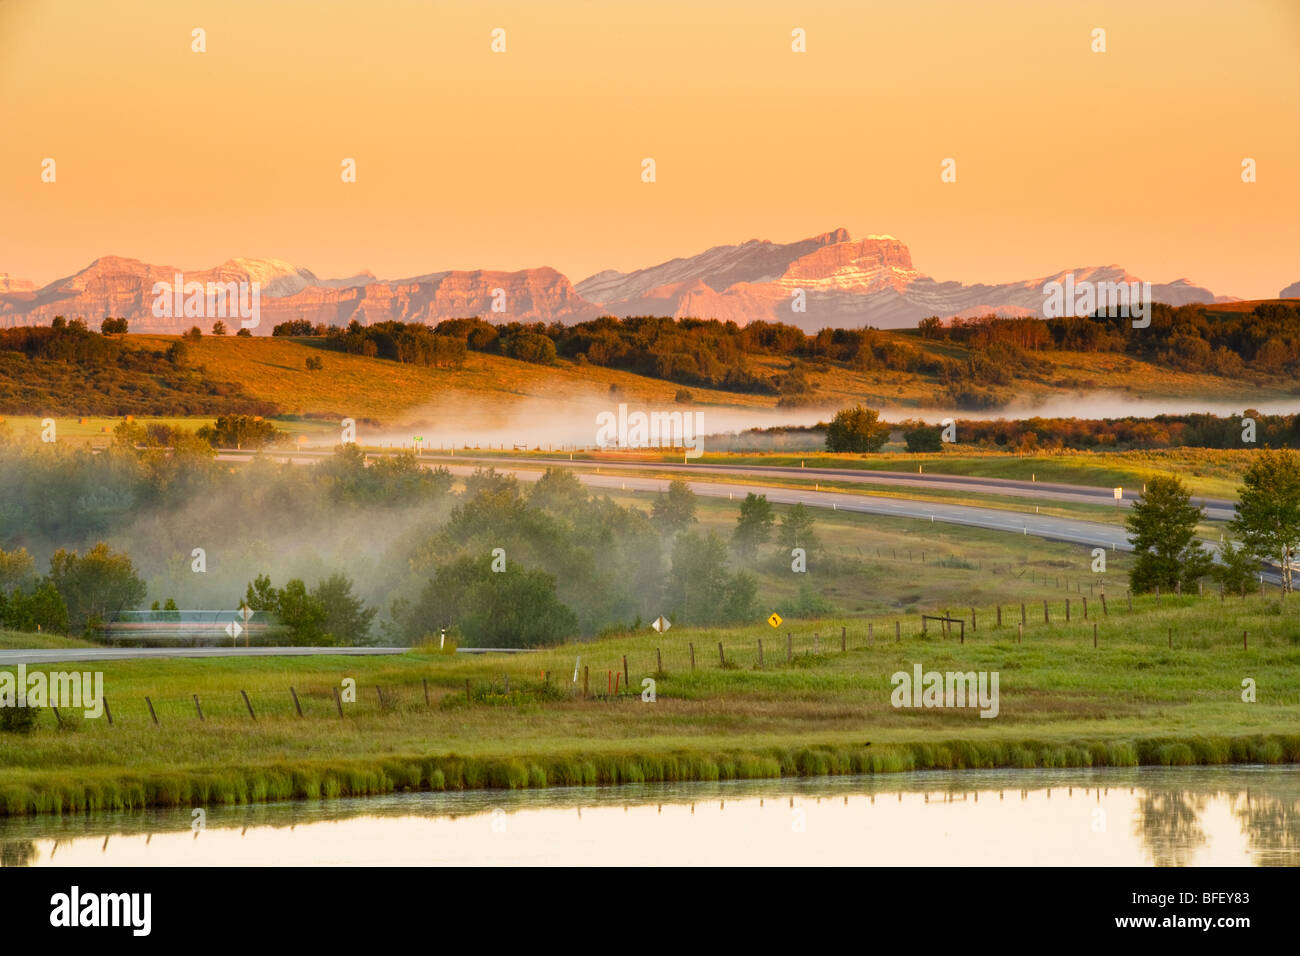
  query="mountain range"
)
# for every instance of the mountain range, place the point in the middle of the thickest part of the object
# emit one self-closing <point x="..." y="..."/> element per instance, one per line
<point x="845" y="283"/>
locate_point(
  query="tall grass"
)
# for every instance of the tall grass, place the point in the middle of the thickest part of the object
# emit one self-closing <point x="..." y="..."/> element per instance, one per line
<point x="68" y="793"/>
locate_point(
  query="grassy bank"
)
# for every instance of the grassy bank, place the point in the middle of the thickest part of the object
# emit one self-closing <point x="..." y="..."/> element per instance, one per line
<point x="521" y="721"/>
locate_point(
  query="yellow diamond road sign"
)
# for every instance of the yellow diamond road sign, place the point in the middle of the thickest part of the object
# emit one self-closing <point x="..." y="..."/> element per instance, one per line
<point x="774" y="620"/>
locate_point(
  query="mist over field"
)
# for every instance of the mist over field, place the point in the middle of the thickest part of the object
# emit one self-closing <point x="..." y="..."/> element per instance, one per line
<point x="560" y="424"/>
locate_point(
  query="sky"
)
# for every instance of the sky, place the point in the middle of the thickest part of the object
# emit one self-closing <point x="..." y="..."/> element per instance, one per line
<point x="468" y="158"/>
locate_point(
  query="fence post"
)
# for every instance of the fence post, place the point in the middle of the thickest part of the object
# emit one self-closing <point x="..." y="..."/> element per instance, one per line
<point x="1085" y="609"/>
<point x="338" y="701"/>
<point x="1104" y="611"/>
<point x="972" y="621"/>
<point x="1023" y="619"/>
<point x="692" y="656"/>
<point x="296" y="706"/>
<point x="1094" y="635"/>
<point x="722" y="658"/>
<point x="817" y="642"/>
<point x="1067" y="610"/>
<point x="108" y="713"/>
<point x="425" y="680"/>
<point x="586" y="678"/>
<point x="898" y="631"/>
<point x="844" y="639"/>
<point x="248" y="703"/>
<point x="760" y="652"/>
<point x="197" y="708"/>
<point x="999" y="615"/>
<point x="659" y="658"/>
<point x="869" y="630"/>
<point x="151" y="711"/>
<point x="1020" y="633"/>
<point x="1245" y="644"/>
<point x="1046" y="619"/>
<point x="626" y="679"/>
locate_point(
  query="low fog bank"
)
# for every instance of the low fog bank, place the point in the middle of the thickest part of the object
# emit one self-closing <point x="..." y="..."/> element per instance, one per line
<point x="565" y="423"/>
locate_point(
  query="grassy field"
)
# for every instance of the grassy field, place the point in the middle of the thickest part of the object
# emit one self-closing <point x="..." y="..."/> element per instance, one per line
<point x="16" y="640"/>
<point x="274" y="369"/>
<point x="522" y="721"/>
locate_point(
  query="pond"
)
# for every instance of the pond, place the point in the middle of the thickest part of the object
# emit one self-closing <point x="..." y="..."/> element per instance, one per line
<point x="1143" y="816"/>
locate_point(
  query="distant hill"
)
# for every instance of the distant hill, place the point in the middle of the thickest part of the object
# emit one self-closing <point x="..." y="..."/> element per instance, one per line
<point x="787" y="380"/>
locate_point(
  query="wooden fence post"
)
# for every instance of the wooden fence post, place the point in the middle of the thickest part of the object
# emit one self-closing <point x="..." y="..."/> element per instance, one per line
<point x="869" y="632"/>
<point x="425" y="680"/>
<point x="844" y="639"/>
<point x="197" y="708"/>
<point x="1104" y="611"/>
<point x="789" y="647"/>
<point x="1020" y="633"/>
<point x="338" y="701"/>
<point x="1046" y="619"/>
<point x="1245" y="643"/>
<point x="586" y="680"/>
<point x="1094" y="635"/>
<point x="296" y="706"/>
<point x="1085" y="609"/>
<point x="722" y="658"/>
<point x="760" y="652"/>
<point x="626" y="679"/>
<point x="659" y="658"/>
<point x="898" y="631"/>
<point x="248" y="703"/>
<point x="1067" y="610"/>
<point x="151" y="711"/>
<point x="692" y="657"/>
<point x="999" y="615"/>
<point x="972" y="620"/>
<point x="1023" y="619"/>
<point x="108" y="713"/>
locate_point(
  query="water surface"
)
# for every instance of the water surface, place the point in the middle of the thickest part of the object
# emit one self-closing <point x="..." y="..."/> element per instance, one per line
<point x="1164" y="816"/>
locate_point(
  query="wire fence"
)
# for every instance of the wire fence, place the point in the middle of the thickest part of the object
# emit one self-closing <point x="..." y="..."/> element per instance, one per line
<point x="611" y="674"/>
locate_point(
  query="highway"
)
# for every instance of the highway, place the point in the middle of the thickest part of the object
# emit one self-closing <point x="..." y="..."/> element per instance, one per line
<point x="74" y="655"/>
<point x="1216" y="508"/>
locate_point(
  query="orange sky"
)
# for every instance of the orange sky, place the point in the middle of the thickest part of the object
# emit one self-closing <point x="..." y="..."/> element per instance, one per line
<point x="469" y="159"/>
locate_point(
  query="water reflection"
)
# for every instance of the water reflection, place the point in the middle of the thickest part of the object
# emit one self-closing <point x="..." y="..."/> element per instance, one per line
<point x="1161" y="816"/>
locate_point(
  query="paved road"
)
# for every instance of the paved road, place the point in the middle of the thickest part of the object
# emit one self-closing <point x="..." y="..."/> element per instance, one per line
<point x="72" y="655"/>
<point x="1216" y="508"/>
<point x="1071" y="530"/>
